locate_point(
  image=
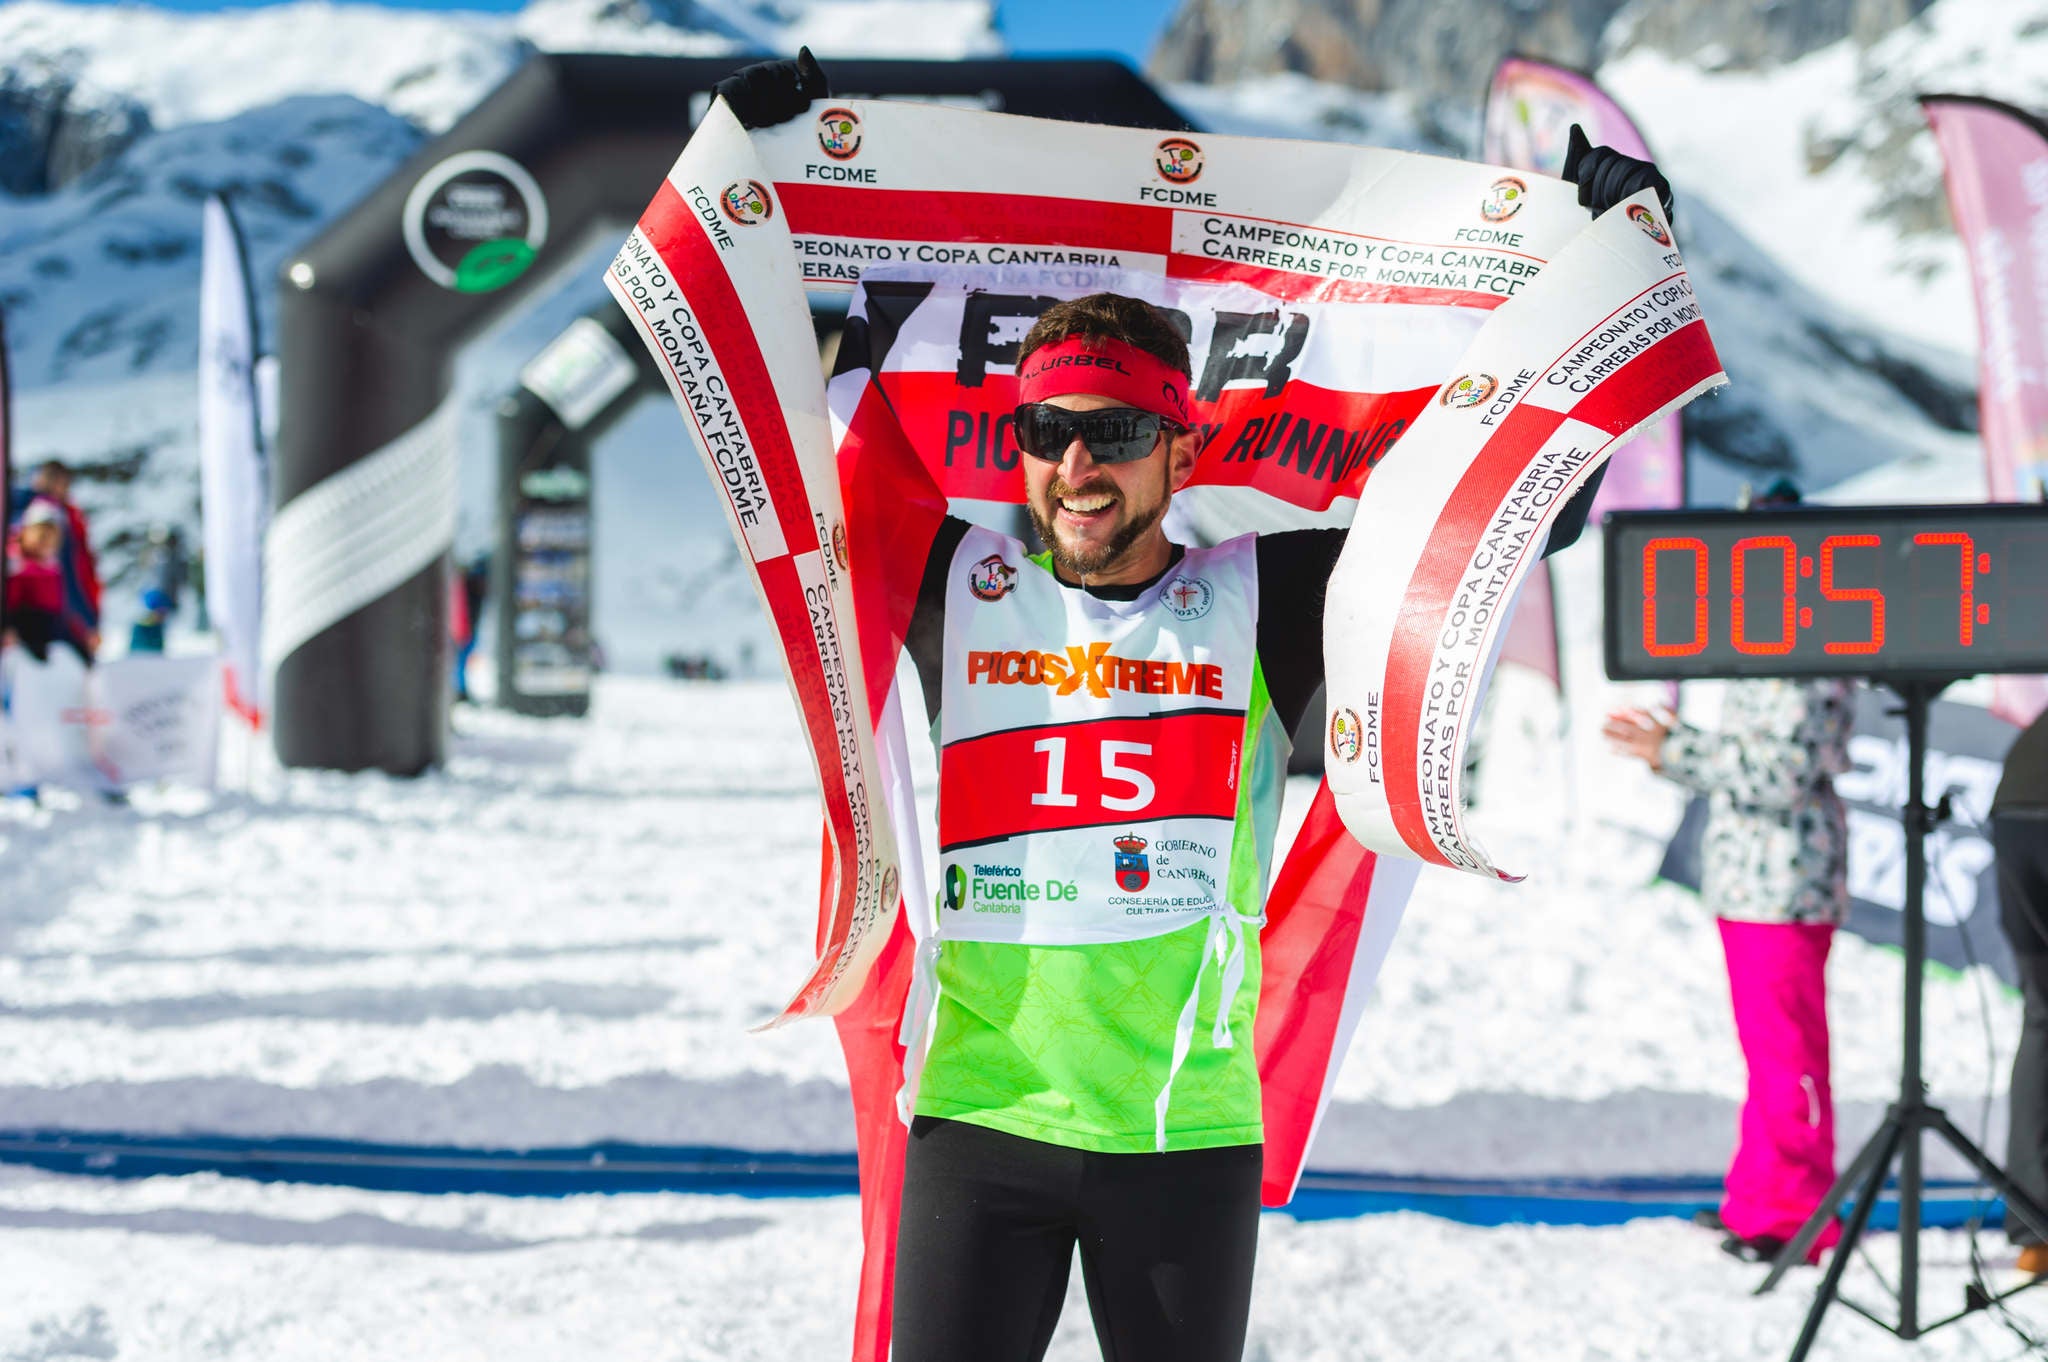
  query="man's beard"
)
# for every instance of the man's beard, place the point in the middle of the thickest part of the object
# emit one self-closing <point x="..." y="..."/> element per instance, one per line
<point x="1090" y="563"/>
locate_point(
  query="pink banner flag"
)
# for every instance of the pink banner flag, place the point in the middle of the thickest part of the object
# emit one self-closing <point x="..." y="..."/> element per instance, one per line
<point x="6" y="478"/>
<point x="1530" y="109"/>
<point x="1996" y="161"/>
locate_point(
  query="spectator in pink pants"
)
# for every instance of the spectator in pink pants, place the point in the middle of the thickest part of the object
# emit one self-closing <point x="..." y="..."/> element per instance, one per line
<point x="1775" y="874"/>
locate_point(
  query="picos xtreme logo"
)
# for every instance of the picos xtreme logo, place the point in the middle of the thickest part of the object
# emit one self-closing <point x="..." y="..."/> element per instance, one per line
<point x="1094" y="666"/>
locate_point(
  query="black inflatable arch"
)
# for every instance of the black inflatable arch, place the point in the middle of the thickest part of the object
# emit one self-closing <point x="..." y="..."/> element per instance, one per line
<point x="374" y="311"/>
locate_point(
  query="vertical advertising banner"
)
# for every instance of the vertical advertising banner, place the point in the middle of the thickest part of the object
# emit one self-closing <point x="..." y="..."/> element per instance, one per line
<point x="233" y="484"/>
<point x="1530" y="109"/>
<point x="6" y="472"/>
<point x="1995" y="159"/>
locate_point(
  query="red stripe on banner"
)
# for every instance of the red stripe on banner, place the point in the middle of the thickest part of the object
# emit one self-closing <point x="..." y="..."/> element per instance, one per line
<point x="1663" y="373"/>
<point x="1306" y="954"/>
<point x="1445" y="557"/>
<point x="893" y="512"/>
<point x="868" y="1028"/>
<point x="1296" y="287"/>
<point x="946" y="216"/>
<point x="679" y="239"/>
<point x="1305" y="445"/>
<point x="1089" y="774"/>
<point x="783" y="591"/>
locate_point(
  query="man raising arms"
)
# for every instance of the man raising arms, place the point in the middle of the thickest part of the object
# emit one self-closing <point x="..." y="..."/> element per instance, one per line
<point x="1112" y="718"/>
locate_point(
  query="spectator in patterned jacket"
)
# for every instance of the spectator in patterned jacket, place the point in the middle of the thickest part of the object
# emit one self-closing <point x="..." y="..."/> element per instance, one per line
<point x="1775" y="875"/>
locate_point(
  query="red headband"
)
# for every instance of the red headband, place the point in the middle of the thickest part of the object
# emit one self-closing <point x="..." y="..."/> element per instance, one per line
<point x="1112" y="368"/>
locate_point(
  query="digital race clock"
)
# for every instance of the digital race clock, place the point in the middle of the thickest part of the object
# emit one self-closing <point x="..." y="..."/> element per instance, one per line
<point x="1886" y="592"/>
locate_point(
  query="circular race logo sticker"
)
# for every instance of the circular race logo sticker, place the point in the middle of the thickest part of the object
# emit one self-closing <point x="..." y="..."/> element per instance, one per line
<point x="1469" y="391"/>
<point x="475" y="222"/>
<point x="1504" y="199"/>
<point x="991" y="579"/>
<point x="1178" y="159"/>
<point x="1190" y="598"/>
<point x="747" y="203"/>
<point x="1347" y="735"/>
<point x="839" y="133"/>
<point x="1647" y="220"/>
<point x="839" y="543"/>
<point x="889" y="889"/>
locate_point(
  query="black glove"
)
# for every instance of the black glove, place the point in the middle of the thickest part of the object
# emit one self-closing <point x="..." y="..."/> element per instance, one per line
<point x="771" y="92"/>
<point x="1605" y="177"/>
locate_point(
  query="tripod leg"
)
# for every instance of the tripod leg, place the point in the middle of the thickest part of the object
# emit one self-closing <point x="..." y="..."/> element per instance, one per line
<point x="1794" y="1253"/>
<point x="1866" y="1201"/>
<point x="2017" y="1202"/>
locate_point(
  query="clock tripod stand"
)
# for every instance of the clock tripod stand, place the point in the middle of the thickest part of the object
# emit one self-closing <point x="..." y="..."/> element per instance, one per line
<point x="1897" y="1137"/>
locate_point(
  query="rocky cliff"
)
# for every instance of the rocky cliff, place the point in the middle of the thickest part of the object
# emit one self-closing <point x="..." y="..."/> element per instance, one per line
<point x="1446" y="49"/>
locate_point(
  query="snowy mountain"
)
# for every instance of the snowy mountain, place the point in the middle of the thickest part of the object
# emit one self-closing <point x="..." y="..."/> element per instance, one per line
<point x="1809" y="190"/>
<point x="116" y="123"/>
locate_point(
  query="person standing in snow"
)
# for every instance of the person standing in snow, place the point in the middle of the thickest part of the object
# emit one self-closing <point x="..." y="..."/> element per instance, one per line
<point x="2019" y="840"/>
<point x="80" y="572"/>
<point x="35" y="582"/>
<point x="1775" y="860"/>
<point x="1087" y="1092"/>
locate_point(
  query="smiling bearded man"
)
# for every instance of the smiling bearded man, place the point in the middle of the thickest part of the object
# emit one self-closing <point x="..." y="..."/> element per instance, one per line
<point x="1113" y="720"/>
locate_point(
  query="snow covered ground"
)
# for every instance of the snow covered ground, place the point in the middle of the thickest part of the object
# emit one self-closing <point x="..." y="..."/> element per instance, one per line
<point x="240" y="1272"/>
<point x="561" y="939"/>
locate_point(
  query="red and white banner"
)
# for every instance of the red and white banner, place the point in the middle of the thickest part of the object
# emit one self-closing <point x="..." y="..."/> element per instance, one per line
<point x="1609" y="338"/>
<point x="1341" y="301"/>
<point x="1995" y="158"/>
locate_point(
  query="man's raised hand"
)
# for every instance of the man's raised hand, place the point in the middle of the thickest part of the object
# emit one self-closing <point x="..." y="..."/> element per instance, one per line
<point x="771" y="92"/>
<point x="1605" y="177"/>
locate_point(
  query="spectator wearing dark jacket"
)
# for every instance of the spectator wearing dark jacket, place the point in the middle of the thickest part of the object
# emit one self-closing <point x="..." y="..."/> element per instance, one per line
<point x="2019" y="839"/>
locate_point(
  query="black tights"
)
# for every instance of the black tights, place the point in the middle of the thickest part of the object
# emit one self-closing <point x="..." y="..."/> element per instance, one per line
<point x="990" y="1223"/>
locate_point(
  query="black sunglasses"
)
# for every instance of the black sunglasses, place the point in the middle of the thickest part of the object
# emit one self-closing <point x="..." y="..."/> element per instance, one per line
<point x="1112" y="434"/>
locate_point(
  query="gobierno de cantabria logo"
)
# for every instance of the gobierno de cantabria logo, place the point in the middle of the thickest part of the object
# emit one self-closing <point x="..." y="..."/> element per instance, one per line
<point x="1504" y="198"/>
<point x="747" y="203"/>
<point x="1178" y="159"/>
<point x="475" y="222"/>
<point x="1133" y="868"/>
<point x="839" y="133"/>
<point x="1469" y="391"/>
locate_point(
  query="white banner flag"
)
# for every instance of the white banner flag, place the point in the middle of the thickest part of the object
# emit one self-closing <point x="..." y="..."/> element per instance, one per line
<point x="232" y="481"/>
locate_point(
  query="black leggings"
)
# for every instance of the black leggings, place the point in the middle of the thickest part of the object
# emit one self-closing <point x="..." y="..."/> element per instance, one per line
<point x="989" y="1226"/>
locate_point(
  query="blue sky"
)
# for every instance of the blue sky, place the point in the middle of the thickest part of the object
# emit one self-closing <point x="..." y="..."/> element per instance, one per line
<point x="1127" y="27"/>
